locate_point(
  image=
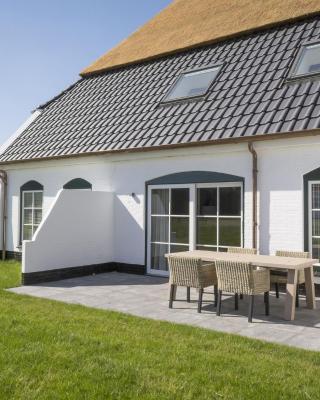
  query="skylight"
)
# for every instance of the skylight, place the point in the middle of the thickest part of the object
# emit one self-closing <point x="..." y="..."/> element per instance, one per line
<point x="308" y="61"/>
<point x="192" y="84"/>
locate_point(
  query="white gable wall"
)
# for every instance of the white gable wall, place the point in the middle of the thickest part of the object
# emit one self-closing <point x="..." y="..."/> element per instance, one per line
<point x="281" y="165"/>
<point x="72" y="236"/>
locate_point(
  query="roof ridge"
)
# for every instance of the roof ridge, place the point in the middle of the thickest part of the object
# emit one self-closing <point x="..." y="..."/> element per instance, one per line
<point x="188" y="24"/>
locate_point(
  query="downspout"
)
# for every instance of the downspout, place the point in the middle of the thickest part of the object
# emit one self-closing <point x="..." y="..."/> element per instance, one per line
<point x="254" y="193"/>
<point x="4" y="181"/>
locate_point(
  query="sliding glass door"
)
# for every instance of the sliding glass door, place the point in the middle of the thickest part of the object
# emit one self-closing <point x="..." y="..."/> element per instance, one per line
<point x="187" y="217"/>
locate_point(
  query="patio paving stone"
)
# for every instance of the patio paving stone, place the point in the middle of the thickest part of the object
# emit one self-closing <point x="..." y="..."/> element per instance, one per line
<point x="147" y="296"/>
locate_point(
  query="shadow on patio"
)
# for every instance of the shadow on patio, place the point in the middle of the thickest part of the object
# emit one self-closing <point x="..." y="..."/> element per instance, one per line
<point x="147" y="296"/>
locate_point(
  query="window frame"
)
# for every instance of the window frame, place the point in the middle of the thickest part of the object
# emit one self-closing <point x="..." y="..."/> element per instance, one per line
<point x="310" y="210"/>
<point x="292" y="77"/>
<point x="193" y="215"/>
<point x="219" y="216"/>
<point x="169" y="215"/>
<point x="165" y="99"/>
<point x="22" y="211"/>
<point x="32" y="208"/>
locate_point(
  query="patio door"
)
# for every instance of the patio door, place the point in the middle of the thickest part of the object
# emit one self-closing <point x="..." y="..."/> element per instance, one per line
<point x="188" y="217"/>
<point x="170" y="224"/>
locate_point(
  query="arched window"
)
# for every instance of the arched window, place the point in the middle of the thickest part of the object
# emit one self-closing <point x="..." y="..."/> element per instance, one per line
<point x="192" y="210"/>
<point x="31" y="199"/>
<point x="78" y="183"/>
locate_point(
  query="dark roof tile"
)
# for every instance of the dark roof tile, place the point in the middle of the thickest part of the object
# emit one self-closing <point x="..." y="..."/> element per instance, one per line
<point x="121" y="109"/>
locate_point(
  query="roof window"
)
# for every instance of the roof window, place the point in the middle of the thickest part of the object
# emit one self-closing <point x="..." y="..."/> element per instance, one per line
<point x="307" y="62"/>
<point x="192" y="84"/>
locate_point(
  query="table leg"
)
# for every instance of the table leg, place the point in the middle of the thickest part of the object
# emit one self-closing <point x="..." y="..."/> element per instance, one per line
<point x="309" y="283"/>
<point x="290" y="305"/>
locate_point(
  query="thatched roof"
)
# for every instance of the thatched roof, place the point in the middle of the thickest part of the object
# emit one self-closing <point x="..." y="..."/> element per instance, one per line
<point x="190" y="23"/>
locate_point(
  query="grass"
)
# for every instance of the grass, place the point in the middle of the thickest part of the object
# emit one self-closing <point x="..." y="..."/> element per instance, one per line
<point x="51" y="350"/>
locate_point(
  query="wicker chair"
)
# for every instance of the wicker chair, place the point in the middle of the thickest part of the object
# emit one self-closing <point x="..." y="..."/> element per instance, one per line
<point x="281" y="276"/>
<point x="238" y="277"/>
<point x="241" y="250"/>
<point x="191" y="273"/>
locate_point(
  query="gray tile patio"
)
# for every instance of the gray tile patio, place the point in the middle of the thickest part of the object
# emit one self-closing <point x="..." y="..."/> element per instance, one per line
<point x="147" y="296"/>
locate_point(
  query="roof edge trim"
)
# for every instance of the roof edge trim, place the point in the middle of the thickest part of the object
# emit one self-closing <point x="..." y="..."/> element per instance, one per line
<point x="238" y="140"/>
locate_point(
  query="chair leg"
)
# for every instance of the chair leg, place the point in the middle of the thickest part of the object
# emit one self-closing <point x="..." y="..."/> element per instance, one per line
<point x="241" y="296"/>
<point x="266" y="302"/>
<point x="250" y="315"/>
<point x="172" y="293"/>
<point x="236" y="302"/>
<point x="277" y="290"/>
<point x="219" y="303"/>
<point x="188" y="294"/>
<point x="297" y="296"/>
<point x="215" y="295"/>
<point x="200" y="300"/>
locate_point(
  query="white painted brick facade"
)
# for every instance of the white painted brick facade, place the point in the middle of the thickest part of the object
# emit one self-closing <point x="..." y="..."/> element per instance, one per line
<point x="281" y="165"/>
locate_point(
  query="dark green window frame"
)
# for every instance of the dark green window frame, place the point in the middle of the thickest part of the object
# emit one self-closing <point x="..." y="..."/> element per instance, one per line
<point x="78" y="183"/>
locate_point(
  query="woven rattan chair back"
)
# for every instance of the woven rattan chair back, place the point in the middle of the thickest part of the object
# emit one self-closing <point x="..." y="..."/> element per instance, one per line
<point x="296" y="254"/>
<point x="234" y="276"/>
<point x="184" y="271"/>
<point x="241" y="250"/>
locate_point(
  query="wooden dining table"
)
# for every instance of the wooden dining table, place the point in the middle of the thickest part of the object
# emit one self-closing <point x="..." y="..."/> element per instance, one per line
<point x="291" y="264"/>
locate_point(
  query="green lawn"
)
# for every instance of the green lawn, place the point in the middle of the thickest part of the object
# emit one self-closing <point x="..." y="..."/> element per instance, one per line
<point x="51" y="350"/>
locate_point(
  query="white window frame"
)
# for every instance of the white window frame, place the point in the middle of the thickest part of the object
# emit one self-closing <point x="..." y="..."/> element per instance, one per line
<point x="310" y="209"/>
<point x="212" y="68"/>
<point x="218" y="216"/>
<point x="23" y="208"/>
<point x="150" y="215"/>
<point x="192" y="216"/>
<point x="293" y="76"/>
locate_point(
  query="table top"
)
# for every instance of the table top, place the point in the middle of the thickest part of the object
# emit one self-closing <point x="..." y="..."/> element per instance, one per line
<point x="256" y="259"/>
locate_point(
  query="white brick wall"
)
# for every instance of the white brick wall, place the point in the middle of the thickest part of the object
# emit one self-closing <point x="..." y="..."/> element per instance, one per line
<point x="281" y="165"/>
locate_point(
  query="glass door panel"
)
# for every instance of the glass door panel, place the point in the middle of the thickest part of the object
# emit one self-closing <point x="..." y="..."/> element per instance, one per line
<point x="160" y="202"/>
<point x="219" y="217"/>
<point x="169" y="224"/>
<point x="179" y="230"/>
<point x="206" y="220"/>
<point x="230" y="232"/>
<point x="230" y="201"/>
<point x="160" y="229"/>
<point x="158" y="260"/>
<point x="206" y="231"/>
<point x="180" y="201"/>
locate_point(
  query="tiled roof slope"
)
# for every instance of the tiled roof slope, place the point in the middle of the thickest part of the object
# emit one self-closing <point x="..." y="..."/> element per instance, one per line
<point x="190" y="23"/>
<point x="121" y="109"/>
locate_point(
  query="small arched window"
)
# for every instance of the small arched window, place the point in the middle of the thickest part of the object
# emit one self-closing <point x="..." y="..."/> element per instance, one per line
<point x="31" y="195"/>
<point x="78" y="183"/>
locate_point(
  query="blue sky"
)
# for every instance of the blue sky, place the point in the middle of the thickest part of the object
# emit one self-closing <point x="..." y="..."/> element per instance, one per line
<point x="44" y="45"/>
